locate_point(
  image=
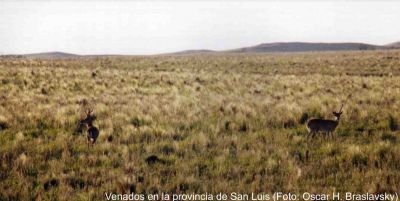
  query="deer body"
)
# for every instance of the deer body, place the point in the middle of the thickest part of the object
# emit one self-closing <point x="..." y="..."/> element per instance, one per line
<point x="326" y="126"/>
<point x="92" y="131"/>
<point x="321" y="125"/>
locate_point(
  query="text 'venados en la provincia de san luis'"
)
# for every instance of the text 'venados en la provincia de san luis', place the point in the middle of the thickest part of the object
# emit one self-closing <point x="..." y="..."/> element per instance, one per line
<point x="278" y="196"/>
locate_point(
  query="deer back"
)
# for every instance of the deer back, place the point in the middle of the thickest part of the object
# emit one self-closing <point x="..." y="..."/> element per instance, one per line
<point x="322" y="125"/>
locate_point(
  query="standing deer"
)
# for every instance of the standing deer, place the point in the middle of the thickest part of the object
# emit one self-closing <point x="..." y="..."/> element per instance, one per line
<point x="326" y="126"/>
<point x="92" y="131"/>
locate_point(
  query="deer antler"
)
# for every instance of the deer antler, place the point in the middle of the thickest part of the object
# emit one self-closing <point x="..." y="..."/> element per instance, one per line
<point x="89" y="111"/>
<point x="341" y="108"/>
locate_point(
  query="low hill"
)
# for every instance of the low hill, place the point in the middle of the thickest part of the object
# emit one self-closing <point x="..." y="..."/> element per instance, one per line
<point x="393" y="45"/>
<point x="192" y="52"/>
<point x="51" y="55"/>
<point x="264" y="47"/>
<point x="306" y="47"/>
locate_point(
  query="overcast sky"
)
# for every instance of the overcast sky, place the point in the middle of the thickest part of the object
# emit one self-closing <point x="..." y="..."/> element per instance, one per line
<point x="150" y="27"/>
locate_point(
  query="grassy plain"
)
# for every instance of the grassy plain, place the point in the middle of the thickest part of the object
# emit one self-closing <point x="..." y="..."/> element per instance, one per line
<point x="217" y="123"/>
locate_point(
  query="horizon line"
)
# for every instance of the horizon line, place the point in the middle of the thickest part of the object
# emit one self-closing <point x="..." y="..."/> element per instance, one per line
<point x="191" y="49"/>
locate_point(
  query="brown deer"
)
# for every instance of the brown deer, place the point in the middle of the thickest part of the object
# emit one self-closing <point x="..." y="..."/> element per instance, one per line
<point x="326" y="126"/>
<point x="92" y="131"/>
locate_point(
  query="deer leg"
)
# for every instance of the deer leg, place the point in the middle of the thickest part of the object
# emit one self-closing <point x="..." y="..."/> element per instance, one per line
<point x="313" y="134"/>
<point x="310" y="134"/>
<point x="88" y="141"/>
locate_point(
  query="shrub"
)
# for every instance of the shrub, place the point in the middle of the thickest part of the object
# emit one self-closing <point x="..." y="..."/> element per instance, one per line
<point x="3" y="125"/>
<point x="393" y="125"/>
<point x="359" y="161"/>
<point x="138" y="122"/>
<point x="389" y="137"/>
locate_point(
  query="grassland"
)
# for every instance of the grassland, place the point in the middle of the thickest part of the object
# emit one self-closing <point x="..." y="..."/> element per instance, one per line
<point x="218" y="123"/>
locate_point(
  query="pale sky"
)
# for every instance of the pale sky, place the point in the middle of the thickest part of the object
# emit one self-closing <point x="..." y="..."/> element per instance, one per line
<point x="151" y="26"/>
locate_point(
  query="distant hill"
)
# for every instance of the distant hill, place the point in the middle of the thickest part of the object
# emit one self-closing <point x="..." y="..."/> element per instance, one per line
<point x="192" y="52"/>
<point x="306" y="47"/>
<point x="261" y="48"/>
<point x="51" y="55"/>
<point x="393" y="45"/>
<point x="297" y="47"/>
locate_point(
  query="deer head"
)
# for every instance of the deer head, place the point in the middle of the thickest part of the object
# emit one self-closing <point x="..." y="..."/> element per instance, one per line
<point x="85" y="120"/>
<point x="337" y="114"/>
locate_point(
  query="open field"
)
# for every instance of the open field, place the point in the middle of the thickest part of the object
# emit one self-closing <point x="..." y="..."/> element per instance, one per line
<point x="217" y="123"/>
